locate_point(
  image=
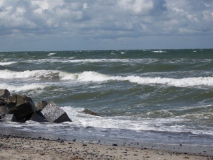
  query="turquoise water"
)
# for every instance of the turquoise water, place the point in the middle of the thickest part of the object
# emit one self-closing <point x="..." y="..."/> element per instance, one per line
<point x="139" y="90"/>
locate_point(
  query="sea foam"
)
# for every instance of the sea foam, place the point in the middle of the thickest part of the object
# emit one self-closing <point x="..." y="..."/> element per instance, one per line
<point x="125" y="122"/>
<point x="51" y="54"/>
<point x="6" y="63"/>
<point x="91" y="76"/>
<point x="159" y="51"/>
<point x="18" y="88"/>
<point x="37" y="74"/>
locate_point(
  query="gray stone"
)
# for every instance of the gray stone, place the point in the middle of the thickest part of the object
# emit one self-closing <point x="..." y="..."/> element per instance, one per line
<point x="3" y="110"/>
<point x="87" y="111"/>
<point x="55" y="114"/>
<point x="38" y="117"/>
<point x="40" y="105"/>
<point x="21" y="106"/>
<point x="4" y="93"/>
<point x="9" y="117"/>
<point x="2" y="102"/>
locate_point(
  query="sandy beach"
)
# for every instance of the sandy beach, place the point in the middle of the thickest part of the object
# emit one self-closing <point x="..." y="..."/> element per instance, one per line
<point x="12" y="147"/>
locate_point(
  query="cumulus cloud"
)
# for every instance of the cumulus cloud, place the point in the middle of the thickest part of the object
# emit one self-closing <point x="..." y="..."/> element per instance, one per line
<point x="106" y="19"/>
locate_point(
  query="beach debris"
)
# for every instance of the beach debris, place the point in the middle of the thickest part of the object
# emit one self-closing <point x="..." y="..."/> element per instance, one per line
<point x="54" y="113"/>
<point x="87" y="111"/>
<point x="40" y="105"/>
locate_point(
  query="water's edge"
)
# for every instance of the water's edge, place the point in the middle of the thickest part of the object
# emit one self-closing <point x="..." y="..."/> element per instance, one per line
<point x="144" y="142"/>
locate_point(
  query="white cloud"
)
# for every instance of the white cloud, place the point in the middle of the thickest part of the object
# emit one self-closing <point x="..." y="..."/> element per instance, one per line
<point x="106" y="19"/>
<point x="137" y="6"/>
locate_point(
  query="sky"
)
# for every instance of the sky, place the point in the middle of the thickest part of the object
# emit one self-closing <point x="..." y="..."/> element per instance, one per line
<point x="35" y="25"/>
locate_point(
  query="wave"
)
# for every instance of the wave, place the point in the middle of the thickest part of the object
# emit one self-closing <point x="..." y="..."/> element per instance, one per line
<point x="90" y="76"/>
<point x="159" y="51"/>
<point x="6" y="63"/>
<point x="71" y="60"/>
<point x="36" y="74"/>
<point x="18" y="88"/>
<point x="169" y="124"/>
<point x="51" y="54"/>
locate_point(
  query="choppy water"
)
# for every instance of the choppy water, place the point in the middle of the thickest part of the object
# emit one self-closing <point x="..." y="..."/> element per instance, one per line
<point x="155" y="91"/>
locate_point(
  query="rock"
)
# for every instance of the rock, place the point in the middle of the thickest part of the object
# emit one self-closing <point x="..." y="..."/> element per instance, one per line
<point x="2" y="102"/>
<point x="21" y="106"/>
<point x="4" y="93"/>
<point x="3" y="110"/>
<point x="9" y="117"/>
<point x="38" y="117"/>
<point x="54" y="113"/>
<point x="87" y="111"/>
<point x="40" y="105"/>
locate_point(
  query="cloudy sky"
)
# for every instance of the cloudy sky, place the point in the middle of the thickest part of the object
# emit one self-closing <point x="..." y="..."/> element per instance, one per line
<point x="105" y="24"/>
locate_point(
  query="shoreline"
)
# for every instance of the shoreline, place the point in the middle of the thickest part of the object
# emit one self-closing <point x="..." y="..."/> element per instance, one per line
<point x="16" y="147"/>
<point x="81" y="135"/>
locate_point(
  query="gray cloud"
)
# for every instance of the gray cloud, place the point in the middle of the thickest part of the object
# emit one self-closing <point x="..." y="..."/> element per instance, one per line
<point x="105" y="19"/>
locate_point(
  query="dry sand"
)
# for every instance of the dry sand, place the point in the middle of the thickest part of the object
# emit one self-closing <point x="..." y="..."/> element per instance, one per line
<point x="29" y="148"/>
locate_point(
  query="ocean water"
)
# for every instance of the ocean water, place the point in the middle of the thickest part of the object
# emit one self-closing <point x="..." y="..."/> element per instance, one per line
<point x="156" y="96"/>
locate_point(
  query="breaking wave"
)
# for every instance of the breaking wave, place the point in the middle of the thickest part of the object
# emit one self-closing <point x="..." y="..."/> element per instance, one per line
<point x="90" y="76"/>
<point x="18" y="88"/>
<point x="51" y="54"/>
<point x="36" y="74"/>
<point x="123" y="122"/>
<point x="159" y="51"/>
<point x="6" y="63"/>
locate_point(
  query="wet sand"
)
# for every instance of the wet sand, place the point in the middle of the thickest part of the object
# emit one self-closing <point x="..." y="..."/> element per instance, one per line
<point x="12" y="147"/>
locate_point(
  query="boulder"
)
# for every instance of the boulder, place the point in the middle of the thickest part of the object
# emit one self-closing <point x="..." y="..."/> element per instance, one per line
<point x="8" y="117"/>
<point x="55" y="114"/>
<point x="87" y="111"/>
<point x="40" y="105"/>
<point x="38" y="117"/>
<point x="3" y="110"/>
<point x="21" y="106"/>
<point x="2" y="102"/>
<point x="4" y="93"/>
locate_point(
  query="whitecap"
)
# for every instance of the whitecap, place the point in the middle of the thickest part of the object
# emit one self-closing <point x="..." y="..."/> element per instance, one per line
<point x="35" y="74"/>
<point x="91" y="76"/>
<point x="6" y="63"/>
<point x="170" y="124"/>
<point x="51" y="54"/>
<point x="159" y="51"/>
<point x="19" y="88"/>
<point x="99" y="60"/>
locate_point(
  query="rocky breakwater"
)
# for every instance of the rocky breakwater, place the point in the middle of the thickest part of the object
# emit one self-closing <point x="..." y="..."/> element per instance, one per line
<point x="20" y="108"/>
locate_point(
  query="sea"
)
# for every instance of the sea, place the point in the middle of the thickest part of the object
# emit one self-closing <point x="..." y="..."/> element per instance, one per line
<point x="143" y="96"/>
